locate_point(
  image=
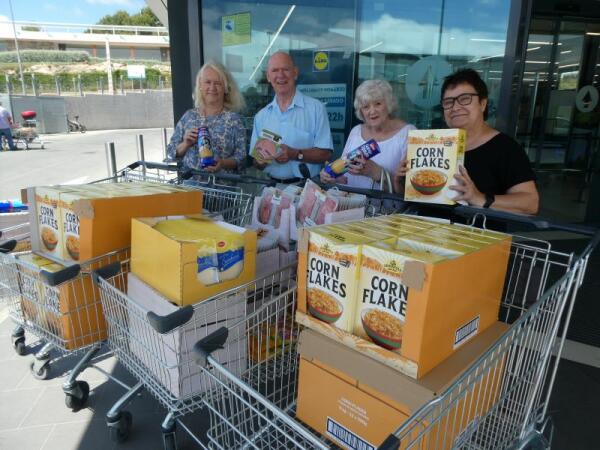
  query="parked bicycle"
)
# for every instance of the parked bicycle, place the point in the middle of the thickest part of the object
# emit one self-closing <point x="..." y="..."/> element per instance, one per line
<point x="75" y="125"/>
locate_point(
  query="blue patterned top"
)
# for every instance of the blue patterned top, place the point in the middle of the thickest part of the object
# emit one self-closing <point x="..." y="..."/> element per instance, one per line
<point x="227" y="137"/>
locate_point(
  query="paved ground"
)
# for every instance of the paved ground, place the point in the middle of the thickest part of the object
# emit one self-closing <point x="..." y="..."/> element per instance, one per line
<point x="33" y="415"/>
<point x="72" y="158"/>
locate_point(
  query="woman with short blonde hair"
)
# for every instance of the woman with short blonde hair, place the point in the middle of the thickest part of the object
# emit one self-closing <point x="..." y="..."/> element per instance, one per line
<point x="217" y="101"/>
<point x="375" y="105"/>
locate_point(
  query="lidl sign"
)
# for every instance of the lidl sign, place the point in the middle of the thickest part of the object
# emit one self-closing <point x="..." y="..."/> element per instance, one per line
<point x="320" y="61"/>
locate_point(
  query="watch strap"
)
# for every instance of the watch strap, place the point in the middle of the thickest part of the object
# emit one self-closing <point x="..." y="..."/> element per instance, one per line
<point x="489" y="200"/>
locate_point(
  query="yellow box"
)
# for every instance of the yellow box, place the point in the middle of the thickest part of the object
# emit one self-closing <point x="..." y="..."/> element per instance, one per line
<point x="171" y="265"/>
<point x="48" y="238"/>
<point x="357" y="402"/>
<point x="433" y="158"/>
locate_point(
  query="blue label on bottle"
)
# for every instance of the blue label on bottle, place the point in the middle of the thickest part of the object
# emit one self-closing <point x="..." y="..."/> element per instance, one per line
<point x="230" y="258"/>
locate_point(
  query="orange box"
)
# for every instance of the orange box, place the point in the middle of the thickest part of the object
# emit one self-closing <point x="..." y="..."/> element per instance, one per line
<point x="442" y="305"/>
<point x="93" y="220"/>
<point x="72" y="311"/>
<point x="358" y="402"/>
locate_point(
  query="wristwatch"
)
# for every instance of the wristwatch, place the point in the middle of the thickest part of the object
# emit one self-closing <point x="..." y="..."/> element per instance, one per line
<point x="300" y="155"/>
<point x="489" y="199"/>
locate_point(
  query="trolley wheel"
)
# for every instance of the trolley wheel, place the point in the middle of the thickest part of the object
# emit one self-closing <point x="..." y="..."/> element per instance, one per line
<point x="170" y="441"/>
<point x="19" y="346"/>
<point x="78" y="396"/>
<point x="170" y="438"/>
<point x="119" y="431"/>
<point x="42" y="373"/>
<point x="42" y="146"/>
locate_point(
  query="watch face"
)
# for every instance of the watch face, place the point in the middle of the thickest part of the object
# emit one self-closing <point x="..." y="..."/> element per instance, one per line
<point x="300" y="156"/>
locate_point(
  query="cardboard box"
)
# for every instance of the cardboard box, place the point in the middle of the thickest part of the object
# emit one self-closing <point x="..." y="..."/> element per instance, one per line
<point x="172" y="266"/>
<point x="175" y="365"/>
<point x="433" y="158"/>
<point x="97" y="218"/>
<point x="423" y="280"/>
<point x="71" y="312"/>
<point x="357" y="402"/>
<point x="329" y="260"/>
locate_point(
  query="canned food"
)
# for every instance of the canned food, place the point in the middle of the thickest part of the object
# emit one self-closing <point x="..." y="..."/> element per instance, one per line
<point x="204" y="148"/>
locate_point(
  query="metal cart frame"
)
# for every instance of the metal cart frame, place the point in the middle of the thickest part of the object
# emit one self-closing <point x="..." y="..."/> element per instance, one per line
<point x="515" y="376"/>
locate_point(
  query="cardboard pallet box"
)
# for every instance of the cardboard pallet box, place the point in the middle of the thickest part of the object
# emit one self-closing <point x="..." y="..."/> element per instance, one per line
<point x="357" y="402"/>
<point x="413" y="300"/>
<point x="192" y="258"/>
<point x="79" y="223"/>
<point x="71" y="312"/>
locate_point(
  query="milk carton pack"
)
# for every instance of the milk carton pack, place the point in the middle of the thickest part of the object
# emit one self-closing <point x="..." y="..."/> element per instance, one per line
<point x="433" y="158"/>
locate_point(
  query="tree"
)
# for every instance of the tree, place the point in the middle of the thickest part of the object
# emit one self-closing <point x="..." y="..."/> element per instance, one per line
<point x="144" y="18"/>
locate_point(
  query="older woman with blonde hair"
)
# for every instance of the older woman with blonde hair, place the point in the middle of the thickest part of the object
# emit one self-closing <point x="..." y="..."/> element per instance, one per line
<point x="217" y="101"/>
<point x="375" y="105"/>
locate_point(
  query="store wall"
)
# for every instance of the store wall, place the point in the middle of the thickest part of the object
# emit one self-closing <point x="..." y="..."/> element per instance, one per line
<point x="338" y="44"/>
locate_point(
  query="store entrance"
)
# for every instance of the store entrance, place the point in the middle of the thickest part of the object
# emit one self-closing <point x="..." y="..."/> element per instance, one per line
<point x="559" y="115"/>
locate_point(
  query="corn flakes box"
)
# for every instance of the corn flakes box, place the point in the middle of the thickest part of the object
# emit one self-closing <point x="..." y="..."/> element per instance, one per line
<point x="382" y="296"/>
<point x="48" y="220"/>
<point x="433" y="158"/>
<point x="332" y="275"/>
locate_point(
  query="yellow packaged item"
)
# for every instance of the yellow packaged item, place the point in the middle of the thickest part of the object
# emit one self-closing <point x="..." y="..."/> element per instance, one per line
<point x="192" y="258"/>
<point x="433" y="158"/>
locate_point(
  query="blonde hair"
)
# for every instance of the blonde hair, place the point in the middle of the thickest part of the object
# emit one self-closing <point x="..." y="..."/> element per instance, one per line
<point x="233" y="99"/>
<point x="372" y="90"/>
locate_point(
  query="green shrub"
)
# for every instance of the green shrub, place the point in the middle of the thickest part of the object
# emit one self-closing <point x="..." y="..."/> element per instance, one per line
<point x="45" y="56"/>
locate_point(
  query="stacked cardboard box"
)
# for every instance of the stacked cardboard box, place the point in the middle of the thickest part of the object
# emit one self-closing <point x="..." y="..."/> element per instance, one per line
<point x="406" y="294"/>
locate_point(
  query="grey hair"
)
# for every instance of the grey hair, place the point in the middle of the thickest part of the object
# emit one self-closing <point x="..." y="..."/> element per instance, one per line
<point x="372" y="90"/>
<point x="233" y="101"/>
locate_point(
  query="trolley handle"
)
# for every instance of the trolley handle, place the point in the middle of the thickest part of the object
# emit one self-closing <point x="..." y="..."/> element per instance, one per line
<point x="164" y="324"/>
<point x="63" y="275"/>
<point x="234" y="177"/>
<point x="106" y="272"/>
<point x="205" y="346"/>
<point x="390" y="443"/>
<point x="8" y="246"/>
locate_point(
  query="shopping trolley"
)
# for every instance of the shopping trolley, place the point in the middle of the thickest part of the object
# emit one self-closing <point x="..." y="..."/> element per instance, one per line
<point x="157" y="350"/>
<point x="505" y="393"/>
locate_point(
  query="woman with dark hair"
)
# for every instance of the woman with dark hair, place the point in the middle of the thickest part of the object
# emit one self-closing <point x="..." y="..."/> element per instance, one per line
<point x="496" y="173"/>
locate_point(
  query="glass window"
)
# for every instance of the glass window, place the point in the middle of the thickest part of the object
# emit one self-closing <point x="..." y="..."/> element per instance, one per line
<point x="414" y="45"/>
<point x="319" y="35"/>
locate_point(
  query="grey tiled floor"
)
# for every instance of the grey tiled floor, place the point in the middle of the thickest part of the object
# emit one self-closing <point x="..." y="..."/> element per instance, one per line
<point x="33" y="415"/>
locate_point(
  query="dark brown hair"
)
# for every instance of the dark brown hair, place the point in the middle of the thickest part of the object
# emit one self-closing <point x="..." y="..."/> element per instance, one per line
<point x="467" y="76"/>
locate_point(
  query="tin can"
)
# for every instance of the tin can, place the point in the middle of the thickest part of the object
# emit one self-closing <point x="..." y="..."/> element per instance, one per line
<point x="206" y="154"/>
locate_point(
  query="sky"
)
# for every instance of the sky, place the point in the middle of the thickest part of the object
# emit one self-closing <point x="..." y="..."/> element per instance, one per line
<point x="66" y="11"/>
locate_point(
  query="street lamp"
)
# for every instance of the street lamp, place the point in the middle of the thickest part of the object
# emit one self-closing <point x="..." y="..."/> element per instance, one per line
<point x="17" y="47"/>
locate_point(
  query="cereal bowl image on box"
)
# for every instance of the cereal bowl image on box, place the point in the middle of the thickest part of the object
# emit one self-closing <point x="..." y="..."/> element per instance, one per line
<point x="73" y="247"/>
<point x="428" y="181"/>
<point x="382" y="327"/>
<point x="323" y="306"/>
<point x="49" y="238"/>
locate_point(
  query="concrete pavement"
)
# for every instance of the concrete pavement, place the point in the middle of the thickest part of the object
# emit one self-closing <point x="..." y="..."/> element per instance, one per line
<point x="73" y="158"/>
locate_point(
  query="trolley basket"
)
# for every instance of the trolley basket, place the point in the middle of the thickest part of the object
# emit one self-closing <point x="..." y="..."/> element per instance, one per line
<point x="503" y="395"/>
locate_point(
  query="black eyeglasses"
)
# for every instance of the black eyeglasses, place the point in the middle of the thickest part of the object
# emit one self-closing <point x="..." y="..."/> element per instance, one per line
<point x="462" y="99"/>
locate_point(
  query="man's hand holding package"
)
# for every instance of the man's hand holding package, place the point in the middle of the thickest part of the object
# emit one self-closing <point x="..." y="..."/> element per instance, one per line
<point x="287" y="154"/>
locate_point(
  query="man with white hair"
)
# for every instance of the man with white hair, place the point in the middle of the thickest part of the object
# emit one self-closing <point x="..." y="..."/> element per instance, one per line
<point x="300" y="120"/>
<point x="5" y="123"/>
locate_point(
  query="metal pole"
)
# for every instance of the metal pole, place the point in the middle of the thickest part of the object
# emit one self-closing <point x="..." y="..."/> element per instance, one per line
<point x="111" y="159"/>
<point x="140" y="152"/>
<point x="163" y="135"/>
<point x="8" y="84"/>
<point x="57" y="82"/>
<point x="109" y="73"/>
<point x="17" y="47"/>
<point x="122" y="87"/>
<point x="79" y="85"/>
<point x="33" y="86"/>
